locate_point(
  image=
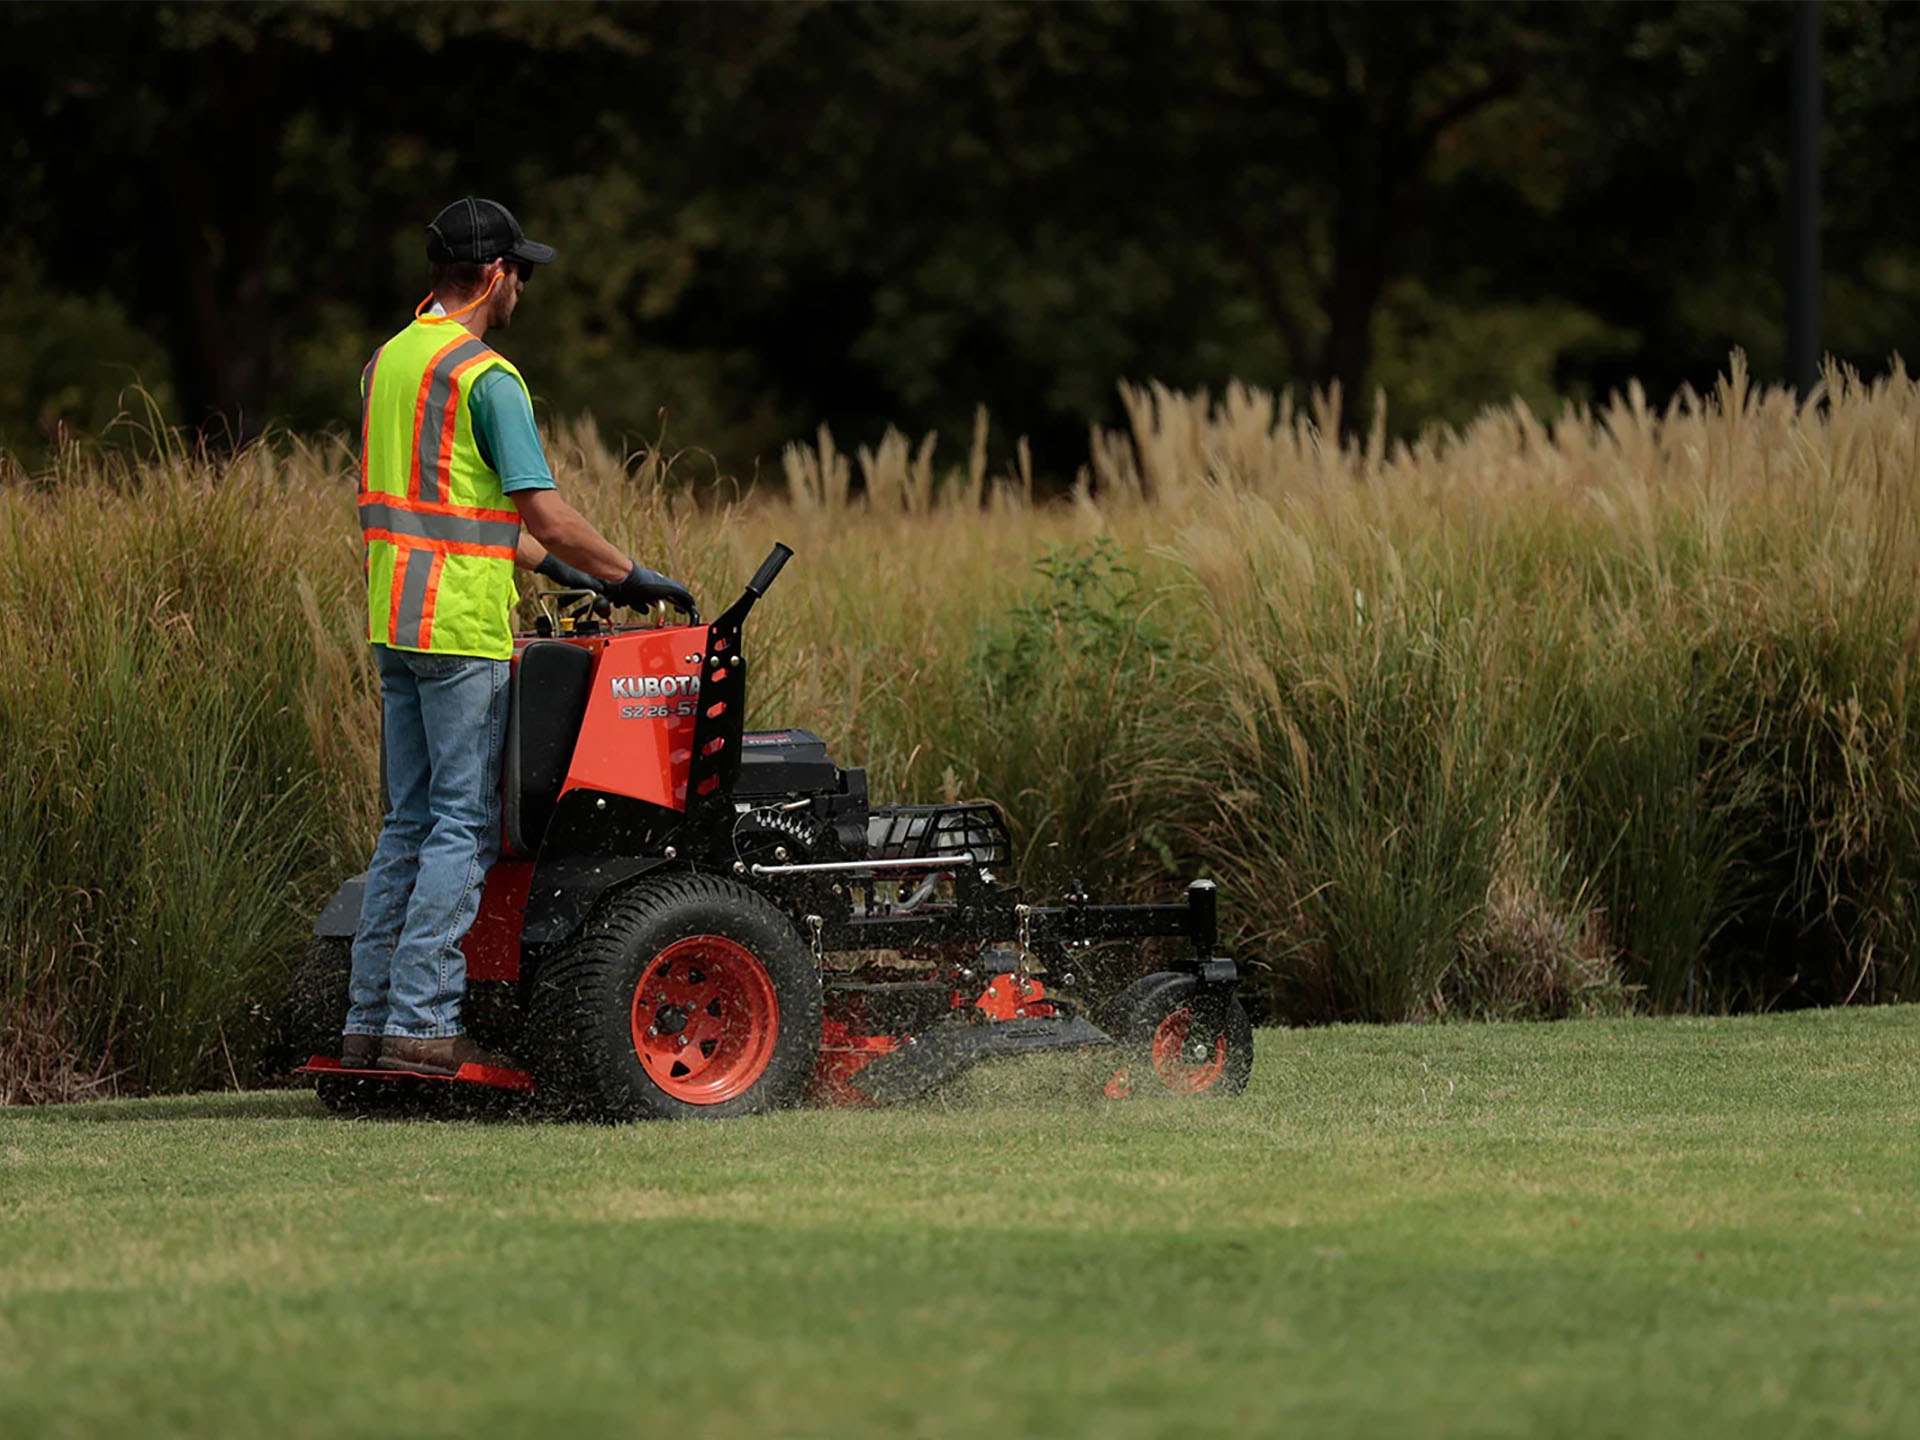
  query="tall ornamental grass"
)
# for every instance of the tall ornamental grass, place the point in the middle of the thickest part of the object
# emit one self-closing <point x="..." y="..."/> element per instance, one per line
<point x="1535" y="718"/>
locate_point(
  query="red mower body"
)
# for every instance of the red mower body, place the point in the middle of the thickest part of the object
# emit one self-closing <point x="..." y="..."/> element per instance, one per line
<point x="636" y="738"/>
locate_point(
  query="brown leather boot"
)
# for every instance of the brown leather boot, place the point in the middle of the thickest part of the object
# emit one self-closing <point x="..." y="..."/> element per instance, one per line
<point x="444" y="1056"/>
<point x="359" y="1052"/>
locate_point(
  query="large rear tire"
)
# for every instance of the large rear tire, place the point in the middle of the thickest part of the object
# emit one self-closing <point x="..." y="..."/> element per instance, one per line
<point x="1155" y="1022"/>
<point x="686" y="997"/>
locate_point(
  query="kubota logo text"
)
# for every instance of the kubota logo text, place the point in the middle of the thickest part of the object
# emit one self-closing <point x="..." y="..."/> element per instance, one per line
<point x="652" y="687"/>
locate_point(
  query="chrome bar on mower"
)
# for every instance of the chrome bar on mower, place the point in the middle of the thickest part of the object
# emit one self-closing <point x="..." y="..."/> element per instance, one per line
<point x="843" y="867"/>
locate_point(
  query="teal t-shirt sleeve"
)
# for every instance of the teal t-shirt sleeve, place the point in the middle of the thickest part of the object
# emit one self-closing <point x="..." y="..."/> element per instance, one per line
<point x="504" y="429"/>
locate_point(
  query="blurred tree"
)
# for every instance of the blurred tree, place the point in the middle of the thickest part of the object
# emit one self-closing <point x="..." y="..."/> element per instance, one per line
<point x="218" y="167"/>
<point x="771" y="215"/>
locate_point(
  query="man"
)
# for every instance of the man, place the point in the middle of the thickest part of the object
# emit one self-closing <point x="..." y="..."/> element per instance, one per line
<point x="455" y="491"/>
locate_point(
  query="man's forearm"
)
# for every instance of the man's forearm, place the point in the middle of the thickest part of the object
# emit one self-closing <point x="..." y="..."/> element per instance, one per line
<point x="556" y="526"/>
<point x="592" y="554"/>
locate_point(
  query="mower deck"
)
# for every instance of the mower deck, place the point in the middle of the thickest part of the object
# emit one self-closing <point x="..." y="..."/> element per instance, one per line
<point x="492" y="1076"/>
<point x="939" y="1054"/>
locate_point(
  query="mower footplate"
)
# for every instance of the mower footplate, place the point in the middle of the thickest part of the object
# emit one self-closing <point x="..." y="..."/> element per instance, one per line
<point x="494" y="1077"/>
<point x="944" y="1051"/>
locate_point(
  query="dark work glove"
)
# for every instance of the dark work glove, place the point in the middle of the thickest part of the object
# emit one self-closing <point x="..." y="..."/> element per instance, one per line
<point x="568" y="578"/>
<point x="644" y="588"/>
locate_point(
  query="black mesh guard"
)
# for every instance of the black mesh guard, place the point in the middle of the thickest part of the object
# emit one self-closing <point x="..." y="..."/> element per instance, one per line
<point x="919" y="832"/>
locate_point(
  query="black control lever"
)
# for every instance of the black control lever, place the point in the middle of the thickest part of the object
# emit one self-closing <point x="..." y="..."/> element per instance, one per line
<point x="735" y="614"/>
<point x="769" y="568"/>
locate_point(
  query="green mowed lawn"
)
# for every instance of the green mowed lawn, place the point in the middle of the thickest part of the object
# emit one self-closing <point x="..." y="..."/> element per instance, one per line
<point x="1642" y="1227"/>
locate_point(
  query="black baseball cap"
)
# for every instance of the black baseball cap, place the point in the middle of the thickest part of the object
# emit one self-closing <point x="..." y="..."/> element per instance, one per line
<point x="481" y="231"/>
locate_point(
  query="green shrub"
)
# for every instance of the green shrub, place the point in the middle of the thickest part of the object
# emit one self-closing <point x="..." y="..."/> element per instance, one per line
<point x="1066" y="678"/>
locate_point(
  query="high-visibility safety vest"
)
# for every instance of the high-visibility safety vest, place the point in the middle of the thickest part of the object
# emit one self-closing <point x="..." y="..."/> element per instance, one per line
<point x="440" y="531"/>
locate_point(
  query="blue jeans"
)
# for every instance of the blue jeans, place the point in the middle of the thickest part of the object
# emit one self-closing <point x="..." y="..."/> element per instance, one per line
<point x="445" y="718"/>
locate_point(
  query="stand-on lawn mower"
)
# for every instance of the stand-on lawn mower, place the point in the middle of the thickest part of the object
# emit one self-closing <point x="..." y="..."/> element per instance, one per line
<point x="689" y="919"/>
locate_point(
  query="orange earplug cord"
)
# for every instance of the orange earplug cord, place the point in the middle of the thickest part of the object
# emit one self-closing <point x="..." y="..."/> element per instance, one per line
<point x="420" y="310"/>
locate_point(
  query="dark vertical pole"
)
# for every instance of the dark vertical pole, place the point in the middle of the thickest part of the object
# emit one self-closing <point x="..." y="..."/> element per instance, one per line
<point x="1803" y="202"/>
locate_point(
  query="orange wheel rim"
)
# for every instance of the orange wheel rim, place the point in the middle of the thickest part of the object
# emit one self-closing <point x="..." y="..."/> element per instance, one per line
<point x="1174" y="1061"/>
<point x="705" y="1019"/>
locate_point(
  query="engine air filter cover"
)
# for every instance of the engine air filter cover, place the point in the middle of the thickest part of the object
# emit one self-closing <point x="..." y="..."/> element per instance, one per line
<point x="784" y="762"/>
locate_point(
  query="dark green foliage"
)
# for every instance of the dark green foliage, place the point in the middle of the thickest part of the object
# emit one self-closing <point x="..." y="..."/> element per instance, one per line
<point x="774" y="214"/>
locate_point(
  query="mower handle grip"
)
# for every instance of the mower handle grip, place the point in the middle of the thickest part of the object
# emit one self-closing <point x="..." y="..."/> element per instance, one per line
<point x="769" y="568"/>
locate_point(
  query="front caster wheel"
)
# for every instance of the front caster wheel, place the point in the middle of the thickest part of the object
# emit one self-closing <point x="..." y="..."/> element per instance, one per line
<point x="1177" y="1042"/>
